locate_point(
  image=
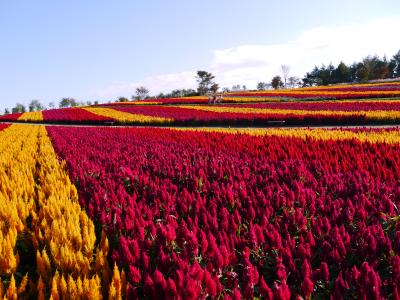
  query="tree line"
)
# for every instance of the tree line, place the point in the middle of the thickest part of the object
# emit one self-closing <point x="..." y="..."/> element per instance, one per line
<point x="36" y="105"/>
<point x="369" y="68"/>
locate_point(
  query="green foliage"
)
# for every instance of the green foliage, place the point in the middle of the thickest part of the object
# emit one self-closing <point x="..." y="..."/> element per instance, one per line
<point x="205" y="81"/>
<point x="370" y="68"/>
<point x="262" y="86"/>
<point x="68" y="102"/>
<point x="35" y="105"/>
<point x="122" y="99"/>
<point x="19" y="108"/>
<point x="276" y="82"/>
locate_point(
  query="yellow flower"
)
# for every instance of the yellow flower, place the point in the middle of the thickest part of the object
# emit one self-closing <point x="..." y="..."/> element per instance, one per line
<point x="125" y="117"/>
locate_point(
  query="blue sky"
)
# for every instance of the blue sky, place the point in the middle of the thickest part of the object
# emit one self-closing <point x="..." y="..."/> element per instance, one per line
<point x="103" y="49"/>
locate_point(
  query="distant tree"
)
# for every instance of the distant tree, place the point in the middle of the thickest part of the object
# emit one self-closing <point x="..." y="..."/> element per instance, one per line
<point x="394" y="66"/>
<point x="362" y="73"/>
<point x="236" y="88"/>
<point x="19" y="108"/>
<point x="276" y="82"/>
<point x="244" y="87"/>
<point x="285" y="73"/>
<point x="6" y="111"/>
<point x="225" y="90"/>
<point x="312" y="78"/>
<point x="369" y="68"/>
<point x="353" y="72"/>
<point x="35" y="105"/>
<point x="376" y="68"/>
<point x="214" y="88"/>
<point x="52" y="105"/>
<point x="123" y="99"/>
<point x="190" y="93"/>
<point x="381" y="69"/>
<point x="142" y="93"/>
<point x="96" y="102"/>
<point x="68" y="102"/>
<point x="262" y="86"/>
<point x="342" y="73"/>
<point x="205" y="80"/>
<point x="294" y="81"/>
<point x="327" y="74"/>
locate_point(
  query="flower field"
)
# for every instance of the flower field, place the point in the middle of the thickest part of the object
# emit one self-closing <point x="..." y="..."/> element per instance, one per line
<point x="199" y="213"/>
<point x="356" y="112"/>
<point x="363" y="104"/>
<point x="192" y="213"/>
<point x="360" y="91"/>
<point x="202" y="212"/>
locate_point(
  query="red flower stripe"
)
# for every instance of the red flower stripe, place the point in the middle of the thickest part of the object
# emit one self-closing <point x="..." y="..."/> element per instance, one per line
<point x="189" y="116"/>
<point x="71" y="115"/>
<point x="3" y="126"/>
<point x="10" y="117"/>
<point x="328" y="105"/>
<point x="196" y="214"/>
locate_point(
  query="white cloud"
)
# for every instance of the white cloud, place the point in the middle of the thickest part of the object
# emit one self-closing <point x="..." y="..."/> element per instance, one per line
<point x="156" y="84"/>
<point x="248" y="64"/>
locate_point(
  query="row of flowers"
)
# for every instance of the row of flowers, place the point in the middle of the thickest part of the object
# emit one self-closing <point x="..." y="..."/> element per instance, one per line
<point x="263" y="114"/>
<point x="299" y="113"/>
<point x="192" y="215"/>
<point x="394" y="86"/>
<point x="355" y="91"/>
<point x="349" y="106"/>
<point x="324" y="94"/>
<point x="125" y="117"/>
<point x="48" y="245"/>
<point x="386" y="135"/>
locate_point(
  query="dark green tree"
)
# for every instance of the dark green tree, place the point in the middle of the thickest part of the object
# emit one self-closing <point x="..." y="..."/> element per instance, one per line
<point x="262" y="86"/>
<point x="35" y="105"/>
<point x="19" y="108"/>
<point x="312" y="78"/>
<point x="342" y="73"/>
<point x="205" y="80"/>
<point x="67" y="102"/>
<point x="277" y="82"/>
<point x="122" y="99"/>
<point x="362" y="73"/>
<point x="214" y="88"/>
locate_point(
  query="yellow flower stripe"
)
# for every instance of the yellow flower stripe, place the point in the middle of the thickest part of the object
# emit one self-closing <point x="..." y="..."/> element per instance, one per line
<point x="392" y="115"/>
<point x="383" y="136"/>
<point x="125" y="117"/>
<point x="35" y="116"/>
<point x="39" y="207"/>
